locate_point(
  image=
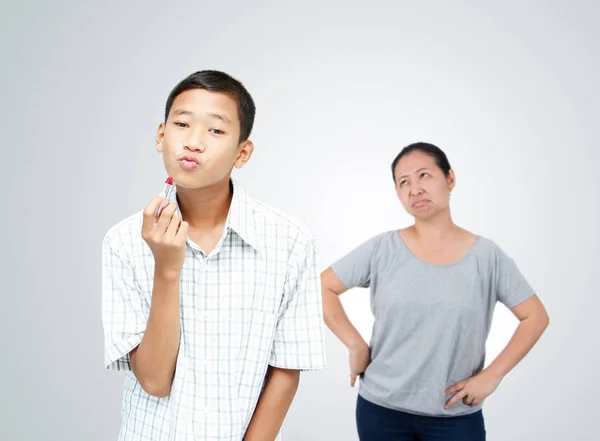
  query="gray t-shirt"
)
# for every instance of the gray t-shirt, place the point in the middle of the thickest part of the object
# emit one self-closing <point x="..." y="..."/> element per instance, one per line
<point x="431" y="321"/>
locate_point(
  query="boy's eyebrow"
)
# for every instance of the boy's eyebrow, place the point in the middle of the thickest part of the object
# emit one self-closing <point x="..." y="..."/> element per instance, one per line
<point x="182" y="112"/>
<point x="220" y="117"/>
<point x="213" y="115"/>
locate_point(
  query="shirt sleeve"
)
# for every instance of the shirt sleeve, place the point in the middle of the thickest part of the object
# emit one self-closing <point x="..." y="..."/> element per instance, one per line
<point x="511" y="286"/>
<point x="124" y="309"/>
<point x="354" y="269"/>
<point x="299" y="341"/>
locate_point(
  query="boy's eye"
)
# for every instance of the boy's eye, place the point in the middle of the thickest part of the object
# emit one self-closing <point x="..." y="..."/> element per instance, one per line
<point x="424" y="174"/>
<point x="217" y="131"/>
<point x="403" y="182"/>
<point x="180" y="124"/>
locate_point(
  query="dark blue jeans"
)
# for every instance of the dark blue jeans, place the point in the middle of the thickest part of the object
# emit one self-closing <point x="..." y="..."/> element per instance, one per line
<point x="376" y="423"/>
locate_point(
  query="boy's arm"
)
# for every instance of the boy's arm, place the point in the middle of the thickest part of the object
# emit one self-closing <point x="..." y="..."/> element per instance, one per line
<point x="299" y="342"/>
<point x="142" y="338"/>
<point x="153" y="361"/>
<point x="273" y="405"/>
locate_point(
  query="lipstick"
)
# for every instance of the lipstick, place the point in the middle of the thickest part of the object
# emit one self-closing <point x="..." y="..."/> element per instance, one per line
<point x="167" y="191"/>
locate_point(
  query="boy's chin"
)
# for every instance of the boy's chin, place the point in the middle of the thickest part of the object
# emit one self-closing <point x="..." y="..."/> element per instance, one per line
<point x="194" y="181"/>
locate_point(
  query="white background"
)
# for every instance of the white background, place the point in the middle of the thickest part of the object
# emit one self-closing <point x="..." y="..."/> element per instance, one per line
<point x="509" y="91"/>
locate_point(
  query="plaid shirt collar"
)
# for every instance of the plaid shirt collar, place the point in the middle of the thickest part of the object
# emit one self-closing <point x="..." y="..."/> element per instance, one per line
<point x="240" y="217"/>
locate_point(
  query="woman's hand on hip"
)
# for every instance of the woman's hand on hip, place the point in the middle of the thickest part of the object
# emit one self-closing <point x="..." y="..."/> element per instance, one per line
<point x="473" y="390"/>
<point x="360" y="357"/>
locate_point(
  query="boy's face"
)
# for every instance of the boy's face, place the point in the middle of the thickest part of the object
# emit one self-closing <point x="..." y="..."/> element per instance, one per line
<point x="200" y="139"/>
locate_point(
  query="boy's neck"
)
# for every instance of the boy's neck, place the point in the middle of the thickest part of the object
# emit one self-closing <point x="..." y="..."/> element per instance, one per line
<point x="205" y="208"/>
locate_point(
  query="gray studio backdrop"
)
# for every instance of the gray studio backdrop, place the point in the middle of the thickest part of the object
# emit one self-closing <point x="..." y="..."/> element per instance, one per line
<point x="510" y="91"/>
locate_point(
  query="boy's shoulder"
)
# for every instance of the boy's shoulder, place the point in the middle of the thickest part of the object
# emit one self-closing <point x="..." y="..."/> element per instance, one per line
<point x="126" y="232"/>
<point x="275" y="219"/>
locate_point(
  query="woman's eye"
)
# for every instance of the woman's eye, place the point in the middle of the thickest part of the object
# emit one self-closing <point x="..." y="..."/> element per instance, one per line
<point x="424" y="174"/>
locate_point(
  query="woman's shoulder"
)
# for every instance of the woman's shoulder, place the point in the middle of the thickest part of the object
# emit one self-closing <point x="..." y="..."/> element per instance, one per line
<point x="488" y="247"/>
<point x="378" y="238"/>
<point x="378" y="244"/>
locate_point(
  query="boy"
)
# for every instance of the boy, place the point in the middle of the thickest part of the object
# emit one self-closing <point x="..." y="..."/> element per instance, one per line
<point x="211" y="304"/>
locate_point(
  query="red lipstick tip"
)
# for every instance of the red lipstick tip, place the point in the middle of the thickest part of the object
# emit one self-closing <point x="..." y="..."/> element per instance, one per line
<point x="169" y="180"/>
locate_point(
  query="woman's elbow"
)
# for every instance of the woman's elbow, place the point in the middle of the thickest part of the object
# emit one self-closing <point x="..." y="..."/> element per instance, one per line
<point x="545" y="321"/>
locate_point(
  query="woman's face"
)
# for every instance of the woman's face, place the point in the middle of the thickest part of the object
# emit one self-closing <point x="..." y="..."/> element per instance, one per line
<point x="421" y="185"/>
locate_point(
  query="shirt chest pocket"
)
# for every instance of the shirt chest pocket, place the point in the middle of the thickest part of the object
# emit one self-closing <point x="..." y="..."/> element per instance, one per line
<point x="258" y="301"/>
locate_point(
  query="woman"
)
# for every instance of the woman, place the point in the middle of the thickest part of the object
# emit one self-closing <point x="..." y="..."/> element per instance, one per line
<point x="433" y="287"/>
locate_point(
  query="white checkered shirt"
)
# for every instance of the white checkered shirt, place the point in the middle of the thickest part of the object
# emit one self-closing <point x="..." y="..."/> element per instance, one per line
<point x="252" y="302"/>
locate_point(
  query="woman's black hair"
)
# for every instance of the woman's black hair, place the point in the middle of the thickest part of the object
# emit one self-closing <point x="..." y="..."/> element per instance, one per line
<point x="440" y="157"/>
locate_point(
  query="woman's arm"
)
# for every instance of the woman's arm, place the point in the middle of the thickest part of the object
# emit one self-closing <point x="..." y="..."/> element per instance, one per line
<point x="533" y="321"/>
<point x="339" y="323"/>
